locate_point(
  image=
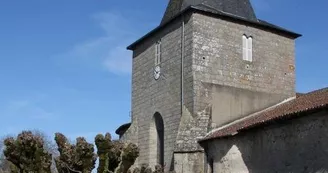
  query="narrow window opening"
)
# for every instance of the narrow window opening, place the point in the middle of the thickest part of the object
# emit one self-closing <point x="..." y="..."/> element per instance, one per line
<point x="160" y="138"/>
<point x="247" y="48"/>
<point x="158" y="52"/>
<point x="250" y="49"/>
<point x="244" y="47"/>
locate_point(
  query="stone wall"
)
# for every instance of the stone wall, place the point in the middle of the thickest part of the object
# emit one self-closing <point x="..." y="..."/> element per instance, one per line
<point x="189" y="162"/>
<point x="232" y="103"/>
<point x="212" y="58"/>
<point x="296" y="145"/>
<point x="217" y="60"/>
<point x="188" y="154"/>
<point x="163" y="95"/>
<point x="192" y="129"/>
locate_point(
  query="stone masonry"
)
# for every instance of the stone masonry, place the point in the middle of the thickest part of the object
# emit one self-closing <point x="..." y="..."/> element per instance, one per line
<point x="163" y="95"/>
<point x="204" y="83"/>
<point x="296" y="145"/>
<point x="217" y="61"/>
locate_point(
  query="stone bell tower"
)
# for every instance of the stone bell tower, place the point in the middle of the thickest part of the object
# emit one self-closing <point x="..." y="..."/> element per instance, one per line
<point x="208" y="63"/>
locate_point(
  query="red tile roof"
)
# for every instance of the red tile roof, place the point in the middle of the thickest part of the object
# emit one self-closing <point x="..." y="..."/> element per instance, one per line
<point x="302" y="103"/>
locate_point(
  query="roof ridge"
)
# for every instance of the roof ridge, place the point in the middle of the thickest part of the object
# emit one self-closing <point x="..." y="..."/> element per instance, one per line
<point x="316" y="91"/>
<point x="221" y="11"/>
<point x="241" y="8"/>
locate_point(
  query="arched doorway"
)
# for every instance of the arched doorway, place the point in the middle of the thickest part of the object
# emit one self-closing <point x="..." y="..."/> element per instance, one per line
<point x="157" y="140"/>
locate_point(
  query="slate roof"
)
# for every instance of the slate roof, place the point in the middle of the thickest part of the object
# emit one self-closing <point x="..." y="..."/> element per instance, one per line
<point x="217" y="13"/>
<point x="241" y="8"/>
<point x="301" y="104"/>
<point x="123" y="128"/>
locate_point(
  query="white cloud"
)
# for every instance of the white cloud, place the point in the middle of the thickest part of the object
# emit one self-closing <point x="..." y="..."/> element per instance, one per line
<point x="28" y="109"/>
<point x="108" y="51"/>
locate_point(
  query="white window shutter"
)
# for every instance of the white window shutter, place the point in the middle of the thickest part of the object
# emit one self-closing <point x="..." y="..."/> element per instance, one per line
<point x="250" y="49"/>
<point x="157" y="53"/>
<point x="244" y="47"/>
<point x="156" y="50"/>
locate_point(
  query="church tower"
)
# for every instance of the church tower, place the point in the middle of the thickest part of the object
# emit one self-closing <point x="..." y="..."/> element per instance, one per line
<point x="208" y="63"/>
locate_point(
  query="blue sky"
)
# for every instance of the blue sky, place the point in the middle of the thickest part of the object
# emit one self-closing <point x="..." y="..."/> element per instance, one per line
<point x="64" y="67"/>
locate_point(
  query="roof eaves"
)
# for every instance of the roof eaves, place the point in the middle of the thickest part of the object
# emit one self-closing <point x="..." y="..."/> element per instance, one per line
<point x="124" y="126"/>
<point x="259" y="22"/>
<point x="209" y="10"/>
<point x="132" y="46"/>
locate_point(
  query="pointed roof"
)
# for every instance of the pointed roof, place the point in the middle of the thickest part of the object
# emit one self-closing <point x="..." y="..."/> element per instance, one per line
<point x="240" y="8"/>
<point x="237" y="10"/>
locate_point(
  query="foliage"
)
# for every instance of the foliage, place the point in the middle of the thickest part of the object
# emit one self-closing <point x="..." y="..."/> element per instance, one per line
<point x="108" y="152"/>
<point x="114" y="156"/>
<point x="129" y="155"/>
<point x="145" y="168"/>
<point x="74" y="158"/>
<point x="159" y="169"/>
<point x="27" y="153"/>
<point x="8" y="167"/>
<point x="48" y="144"/>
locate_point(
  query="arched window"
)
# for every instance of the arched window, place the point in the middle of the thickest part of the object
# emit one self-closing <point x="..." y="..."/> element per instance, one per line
<point x="160" y="138"/>
<point x="157" y="140"/>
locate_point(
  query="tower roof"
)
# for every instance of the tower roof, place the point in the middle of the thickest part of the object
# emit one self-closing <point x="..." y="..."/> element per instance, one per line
<point x="240" y="8"/>
<point x="237" y="10"/>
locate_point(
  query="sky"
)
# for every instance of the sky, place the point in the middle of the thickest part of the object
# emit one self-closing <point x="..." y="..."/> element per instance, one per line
<point x="64" y="66"/>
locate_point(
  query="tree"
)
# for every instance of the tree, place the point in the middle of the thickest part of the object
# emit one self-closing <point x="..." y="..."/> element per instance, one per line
<point x="48" y="144"/>
<point x="115" y="156"/>
<point x="129" y="155"/>
<point x="109" y="153"/>
<point x="27" y="153"/>
<point x="146" y="169"/>
<point x="74" y="158"/>
<point x="31" y="152"/>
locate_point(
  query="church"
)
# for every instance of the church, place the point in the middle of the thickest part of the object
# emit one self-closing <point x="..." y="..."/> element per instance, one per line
<point x="213" y="90"/>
